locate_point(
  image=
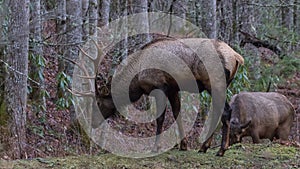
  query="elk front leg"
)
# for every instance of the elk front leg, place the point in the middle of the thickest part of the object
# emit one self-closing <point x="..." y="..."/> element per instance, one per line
<point x="206" y="144"/>
<point x="225" y="129"/>
<point x="175" y="104"/>
<point x="160" y="100"/>
<point x="255" y="137"/>
<point x="159" y="123"/>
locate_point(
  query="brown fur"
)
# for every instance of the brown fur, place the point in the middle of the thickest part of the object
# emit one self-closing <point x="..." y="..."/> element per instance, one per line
<point x="147" y="80"/>
<point x="270" y="115"/>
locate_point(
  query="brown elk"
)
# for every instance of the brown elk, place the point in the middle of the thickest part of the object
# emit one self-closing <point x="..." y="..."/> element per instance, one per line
<point x="149" y="79"/>
<point x="260" y="115"/>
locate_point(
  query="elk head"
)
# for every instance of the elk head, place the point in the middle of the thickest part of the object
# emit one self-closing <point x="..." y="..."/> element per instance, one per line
<point x="237" y="130"/>
<point x="105" y="104"/>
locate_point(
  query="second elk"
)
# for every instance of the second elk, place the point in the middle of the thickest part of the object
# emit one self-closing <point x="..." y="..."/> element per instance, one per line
<point x="261" y="116"/>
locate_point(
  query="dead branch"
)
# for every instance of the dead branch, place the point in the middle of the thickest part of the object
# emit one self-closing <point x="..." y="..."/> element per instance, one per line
<point x="259" y="43"/>
<point x="80" y="94"/>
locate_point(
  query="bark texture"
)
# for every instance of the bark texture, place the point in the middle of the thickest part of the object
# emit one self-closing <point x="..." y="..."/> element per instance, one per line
<point x="16" y="79"/>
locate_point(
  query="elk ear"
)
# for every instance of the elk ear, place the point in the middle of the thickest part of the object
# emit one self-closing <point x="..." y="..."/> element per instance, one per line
<point x="104" y="91"/>
<point x="245" y="126"/>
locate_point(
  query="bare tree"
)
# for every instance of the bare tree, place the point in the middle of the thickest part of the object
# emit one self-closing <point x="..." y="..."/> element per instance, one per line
<point x="85" y="19"/>
<point x="247" y="22"/>
<point x="3" y="44"/>
<point x="3" y="12"/>
<point x="61" y="30"/>
<point x="161" y="5"/>
<point x="74" y="31"/>
<point x="74" y="38"/>
<point x="104" y="12"/>
<point x="296" y="17"/>
<point x="234" y="32"/>
<point x="210" y="25"/>
<point x="93" y="19"/>
<point x="36" y="60"/>
<point x="287" y="17"/>
<point x="287" y="13"/>
<point x="296" y="20"/>
<point x="16" y="79"/>
<point x="141" y="7"/>
<point x="225" y="20"/>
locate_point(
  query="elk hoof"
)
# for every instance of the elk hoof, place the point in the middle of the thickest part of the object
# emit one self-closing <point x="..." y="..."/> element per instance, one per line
<point x="183" y="145"/>
<point x="220" y="153"/>
<point x="203" y="149"/>
<point x="183" y="149"/>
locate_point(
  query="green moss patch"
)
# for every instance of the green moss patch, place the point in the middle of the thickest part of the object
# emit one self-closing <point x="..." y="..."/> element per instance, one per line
<point x="238" y="156"/>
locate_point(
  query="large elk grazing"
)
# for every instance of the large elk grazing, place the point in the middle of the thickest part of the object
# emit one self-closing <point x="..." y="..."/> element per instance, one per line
<point x="148" y="80"/>
<point x="261" y="116"/>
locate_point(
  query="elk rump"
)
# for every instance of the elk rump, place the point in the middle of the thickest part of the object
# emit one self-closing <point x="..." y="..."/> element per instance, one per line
<point x="260" y="115"/>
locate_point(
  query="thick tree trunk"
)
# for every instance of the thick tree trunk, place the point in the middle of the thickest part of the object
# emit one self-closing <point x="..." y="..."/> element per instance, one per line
<point x="296" y="20"/>
<point x="61" y="31"/>
<point x="3" y="37"/>
<point x="161" y="5"/>
<point x="177" y="8"/>
<point x="225" y="17"/>
<point x="287" y="13"/>
<point x="287" y="18"/>
<point x="74" y="38"/>
<point x="3" y="13"/>
<point x="141" y="7"/>
<point x="85" y="19"/>
<point x="16" y="80"/>
<point x="211" y="18"/>
<point x="234" y="32"/>
<point x="247" y="22"/>
<point x="104" y="12"/>
<point x="296" y="17"/>
<point x="3" y="44"/>
<point x="74" y="32"/>
<point x="93" y="19"/>
<point x="37" y="61"/>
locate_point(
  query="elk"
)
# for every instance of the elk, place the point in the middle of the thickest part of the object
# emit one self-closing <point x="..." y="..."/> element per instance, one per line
<point x="260" y="115"/>
<point x="147" y="80"/>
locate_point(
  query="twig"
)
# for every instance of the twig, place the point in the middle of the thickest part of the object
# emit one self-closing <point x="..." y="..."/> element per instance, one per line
<point x="21" y="73"/>
<point x="258" y="42"/>
<point x="80" y="94"/>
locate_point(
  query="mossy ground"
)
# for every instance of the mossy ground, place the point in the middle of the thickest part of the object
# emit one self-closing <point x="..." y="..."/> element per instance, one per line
<point x="268" y="155"/>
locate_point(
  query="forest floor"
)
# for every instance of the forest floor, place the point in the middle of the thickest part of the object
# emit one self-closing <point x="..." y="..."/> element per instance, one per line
<point x="267" y="155"/>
